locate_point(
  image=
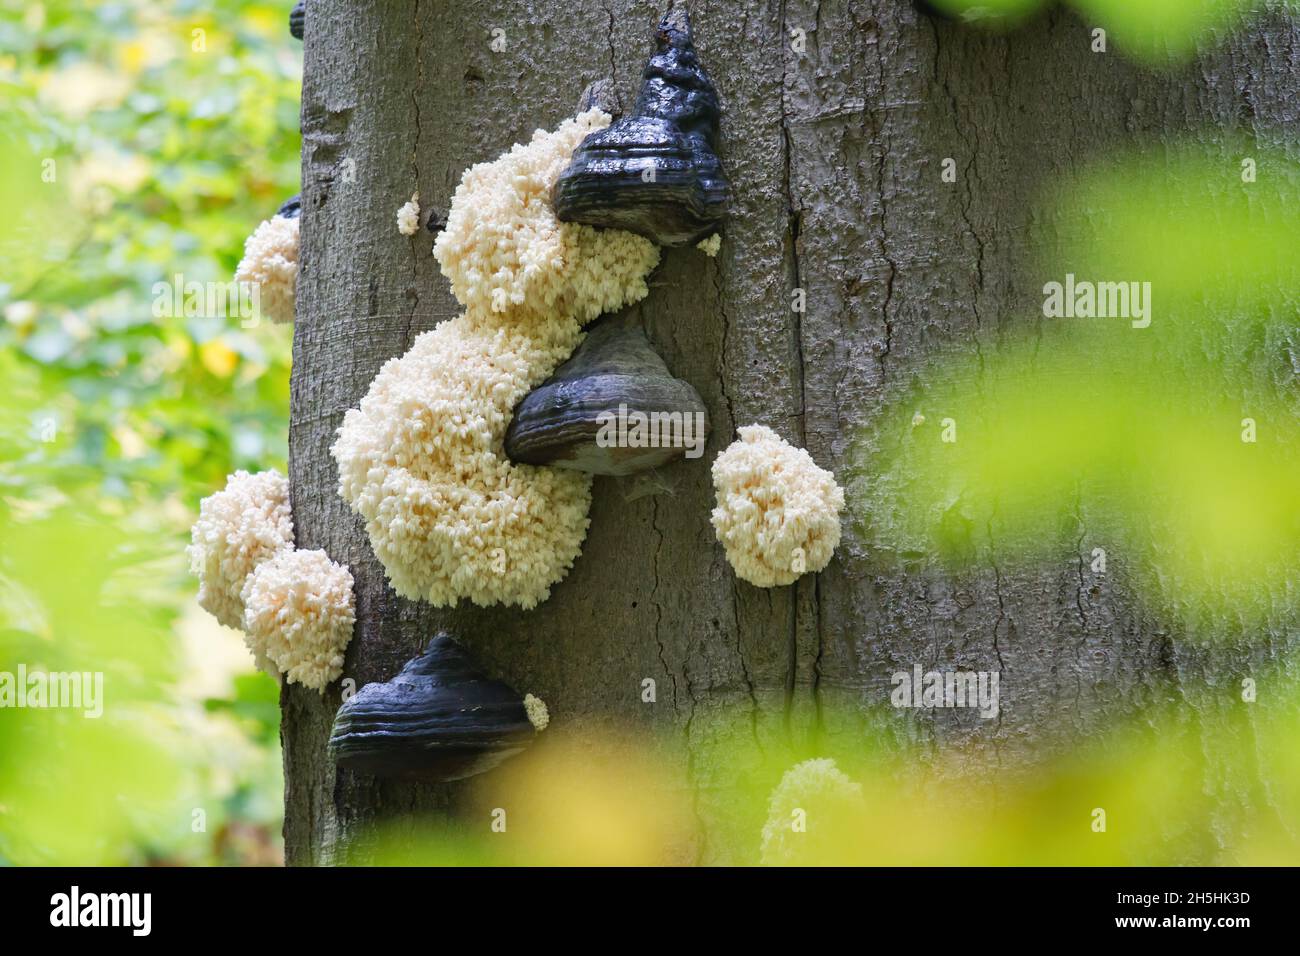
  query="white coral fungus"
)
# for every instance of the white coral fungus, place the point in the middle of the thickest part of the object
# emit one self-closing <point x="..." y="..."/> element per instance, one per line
<point x="408" y="217"/>
<point x="448" y="515"/>
<point x="538" y="715"/>
<point x="503" y="249"/>
<point x="299" y="615"/>
<point x="238" y="528"/>
<point x="422" y="458"/>
<point x="812" y="816"/>
<point x="270" y="263"/>
<point x="710" y="246"/>
<point x="777" y="513"/>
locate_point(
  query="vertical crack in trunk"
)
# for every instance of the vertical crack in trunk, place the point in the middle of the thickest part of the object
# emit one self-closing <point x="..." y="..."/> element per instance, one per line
<point x="1001" y="619"/>
<point x="791" y="241"/>
<point x="654" y="596"/>
<point x="884" y="139"/>
<point x="968" y="175"/>
<point x="413" y="290"/>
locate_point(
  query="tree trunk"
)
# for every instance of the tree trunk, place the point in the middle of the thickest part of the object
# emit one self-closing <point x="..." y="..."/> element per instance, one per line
<point x="835" y="157"/>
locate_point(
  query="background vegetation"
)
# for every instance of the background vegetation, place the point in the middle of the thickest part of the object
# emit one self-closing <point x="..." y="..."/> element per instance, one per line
<point x="137" y="141"/>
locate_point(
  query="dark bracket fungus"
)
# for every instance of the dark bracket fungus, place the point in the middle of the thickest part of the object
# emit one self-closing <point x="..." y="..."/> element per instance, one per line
<point x="291" y="208"/>
<point x="656" y="171"/>
<point x="296" y="18"/>
<point x="439" y="719"/>
<point x="611" y="409"/>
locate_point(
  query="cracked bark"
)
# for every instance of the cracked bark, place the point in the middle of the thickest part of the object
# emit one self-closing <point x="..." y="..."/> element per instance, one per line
<point x="835" y="157"/>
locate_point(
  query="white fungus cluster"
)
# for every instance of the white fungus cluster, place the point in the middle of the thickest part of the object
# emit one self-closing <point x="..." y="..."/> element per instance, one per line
<point x="270" y="263"/>
<point x="778" y="514"/>
<point x="710" y="246"/>
<point x="295" y="607"/>
<point x="538" y="715"/>
<point x="408" y="217"/>
<point x="810" y="814"/>
<point x="422" y="458"/>
<point x="504" y="250"/>
<point x="298" y="615"/>
<point x="238" y="528"/>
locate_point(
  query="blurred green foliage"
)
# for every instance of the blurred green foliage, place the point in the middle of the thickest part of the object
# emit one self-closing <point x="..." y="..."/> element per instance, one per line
<point x="138" y="141"/>
<point x="1173" y="443"/>
<point x="1154" y="31"/>
<point x="1176" y="786"/>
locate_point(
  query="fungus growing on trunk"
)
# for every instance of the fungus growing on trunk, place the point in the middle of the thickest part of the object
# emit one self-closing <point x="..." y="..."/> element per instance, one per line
<point x="408" y="217"/>
<point x="778" y="514"/>
<point x="538" y="715"/>
<point x="439" y="719"/>
<point x="710" y="246"/>
<point x="421" y="459"/>
<point x="611" y="409"/>
<point x="505" y="251"/>
<point x="656" y="171"/>
<point x="238" y="528"/>
<point x="298" y="615"/>
<point x="270" y="262"/>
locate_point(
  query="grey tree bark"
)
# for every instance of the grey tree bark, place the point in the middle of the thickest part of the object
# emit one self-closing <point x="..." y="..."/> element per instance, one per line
<point x="835" y="159"/>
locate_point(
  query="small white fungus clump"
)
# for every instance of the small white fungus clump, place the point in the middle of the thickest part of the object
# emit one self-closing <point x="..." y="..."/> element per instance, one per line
<point x="503" y="249"/>
<point x="710" y="246"/>
<point x="538" y="715"/>
<point x="422" y="458"/>
<point x="826" y="804"/>
<point x="408" y="217"/>
<point x="270" y="263"/>
<point x="299" y="616"/>
<point x="778" y="514"/>
<point x="238" y="528"/>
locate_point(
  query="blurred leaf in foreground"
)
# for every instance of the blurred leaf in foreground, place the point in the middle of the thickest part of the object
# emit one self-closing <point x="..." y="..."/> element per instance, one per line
<point x="1150" y="791"/>
<point x="1158" y="411"/>
<point x="1154" y="31"/>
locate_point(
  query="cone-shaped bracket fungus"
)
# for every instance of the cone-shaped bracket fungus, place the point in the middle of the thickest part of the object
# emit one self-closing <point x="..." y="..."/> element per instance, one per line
<point x="612" y="409"/>
<point x="270" y="262"/>
<point x="439" y="719"/>
<point x="422" y="459"/>
<point x="291" y="208"/>
<point x="778" y="514"/>
<point x="507" y="255"/>
<point x="297" y="17"/>
<point x="656" y="171"/>
<point x="298" y="614"/>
